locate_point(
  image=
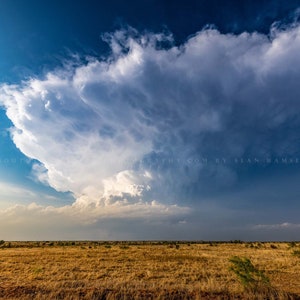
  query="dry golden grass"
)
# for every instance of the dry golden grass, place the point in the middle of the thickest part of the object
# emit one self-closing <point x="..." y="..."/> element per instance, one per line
<point x="92" y="270"/>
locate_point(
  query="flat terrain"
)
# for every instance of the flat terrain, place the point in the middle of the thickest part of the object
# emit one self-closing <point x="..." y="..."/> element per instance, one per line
<point x="144" y="270"/>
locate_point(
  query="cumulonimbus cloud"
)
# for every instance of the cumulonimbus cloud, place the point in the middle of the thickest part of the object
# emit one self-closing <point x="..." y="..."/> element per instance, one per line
<point x="103" y="128"/>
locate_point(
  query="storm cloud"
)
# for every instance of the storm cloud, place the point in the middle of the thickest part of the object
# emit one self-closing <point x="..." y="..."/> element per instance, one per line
<point x="160" y="126"/>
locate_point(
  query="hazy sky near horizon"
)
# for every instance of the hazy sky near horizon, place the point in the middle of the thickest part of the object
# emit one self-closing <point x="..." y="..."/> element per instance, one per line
<point x="149" y="120"/>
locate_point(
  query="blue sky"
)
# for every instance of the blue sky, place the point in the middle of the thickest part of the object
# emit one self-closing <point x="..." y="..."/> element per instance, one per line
<point x="149" y="120"/>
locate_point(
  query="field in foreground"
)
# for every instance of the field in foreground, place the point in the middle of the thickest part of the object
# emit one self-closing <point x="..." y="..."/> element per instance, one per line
<point x="144" y="270"/>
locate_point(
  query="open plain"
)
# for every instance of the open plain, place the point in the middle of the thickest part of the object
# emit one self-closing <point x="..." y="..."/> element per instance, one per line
<point x="146" y="270"/>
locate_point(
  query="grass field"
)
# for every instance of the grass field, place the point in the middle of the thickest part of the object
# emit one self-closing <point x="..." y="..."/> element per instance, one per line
<point x="144" y="270"/>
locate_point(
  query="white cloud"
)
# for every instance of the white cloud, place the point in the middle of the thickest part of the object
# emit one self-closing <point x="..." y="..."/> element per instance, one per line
<point x="126" y="182"/>
<point x="285" y="225"/>
<point x="219" y="95"/>
<point x="37" y="222"/>
<point x="91" y="214"/>
<point x="10" y="192"/>
<point x="14" y="193"/>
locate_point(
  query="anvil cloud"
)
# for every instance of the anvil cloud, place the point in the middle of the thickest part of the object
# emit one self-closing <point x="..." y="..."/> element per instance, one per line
<point x="130" y="130"/>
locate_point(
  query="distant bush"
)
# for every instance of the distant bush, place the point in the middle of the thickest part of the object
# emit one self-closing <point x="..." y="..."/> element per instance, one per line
<point x="124" y="247"/>
<point x="253" y="245"/>
<point x="296" y="253"/>
<point x="236" y="242"/>
<point x="259" y="245"/>
<point x="250" y="277"/>
<point x="2" y="242"/>
<point x="292" y="244"/>
<point x="273" y="246"/>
